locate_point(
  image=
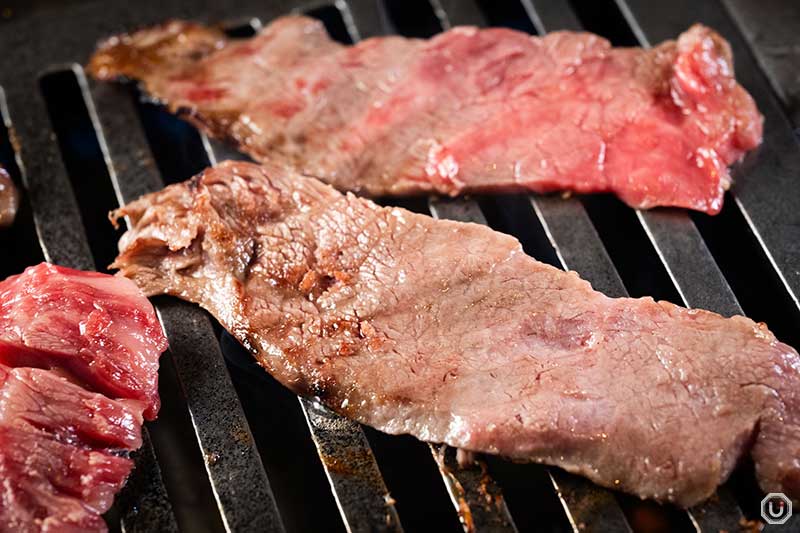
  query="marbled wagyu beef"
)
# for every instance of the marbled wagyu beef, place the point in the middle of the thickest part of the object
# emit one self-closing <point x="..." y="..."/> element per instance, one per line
<point x="100" y="329"/>
<point x="449" y="332"/>
<point x="470" y="110"/>
<point x="78" y="374"/>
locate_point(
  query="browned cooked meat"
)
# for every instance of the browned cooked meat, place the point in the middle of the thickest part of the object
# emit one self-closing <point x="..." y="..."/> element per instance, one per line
<point x="9" y="199"/>
<point x="469" y="110"/>
<point x="449" y="332"/>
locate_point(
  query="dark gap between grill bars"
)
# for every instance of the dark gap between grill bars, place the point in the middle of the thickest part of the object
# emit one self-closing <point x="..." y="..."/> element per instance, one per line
<point x="506" y="14"/>
<point x="411" y="18"/>
<point x="19" y="242"/>
<point x="331" y="17"/>
<point x="604" y="18"/>
<point x="630" y="249"/>
<point x="176" y="145"/>
<point x="513" y="214"/>
<point x="527" y="491"/>
<point x="84" y="162"/>
<point x="413" y="480"/>
<point x="746" y="267"/>
<point x="287" y="451"/>
<point x="182" y="465"/>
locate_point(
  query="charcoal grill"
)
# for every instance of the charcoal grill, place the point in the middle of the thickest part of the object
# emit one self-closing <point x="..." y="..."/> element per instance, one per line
<point x="233" y="450"/>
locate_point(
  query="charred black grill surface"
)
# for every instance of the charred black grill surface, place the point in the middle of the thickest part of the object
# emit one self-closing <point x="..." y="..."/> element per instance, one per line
<point x="218" y="459"/>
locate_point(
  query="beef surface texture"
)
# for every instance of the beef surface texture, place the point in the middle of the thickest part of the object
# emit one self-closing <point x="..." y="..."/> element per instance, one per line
<point x="469" y="110"/>
<point x="449" y="332"/>
<point x="9" y="199"/>
<point x="69" y="342"/>
<point x="100" y="329"/>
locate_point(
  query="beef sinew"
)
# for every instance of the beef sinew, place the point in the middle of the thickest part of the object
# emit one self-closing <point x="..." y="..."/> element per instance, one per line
<point x="469" y="110"/>
<point x="9" y="199"/>
<point x="449" y="332"/>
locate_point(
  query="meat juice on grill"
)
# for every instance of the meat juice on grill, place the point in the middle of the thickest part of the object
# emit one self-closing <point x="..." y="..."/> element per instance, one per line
<point x="449" y="332"/>
<point x="9" y="199"/>
<point x="470" y="110"/>
<point x="78" y="374"/>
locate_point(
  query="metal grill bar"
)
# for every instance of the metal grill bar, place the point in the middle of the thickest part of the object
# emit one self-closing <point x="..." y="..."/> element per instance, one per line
<point x="234" y="467"/>
<point x="359" y="489"/>
<point x="63" y="241"/>
<point x="481" y="506"/>
<point x="143" y="501"/>
<point x="55" y="210"/>
<point x="766" y="191"/>
<point x="771" y="45"/>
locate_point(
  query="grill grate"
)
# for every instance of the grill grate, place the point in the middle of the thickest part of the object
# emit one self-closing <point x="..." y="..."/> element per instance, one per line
<point x="570" y="233"/>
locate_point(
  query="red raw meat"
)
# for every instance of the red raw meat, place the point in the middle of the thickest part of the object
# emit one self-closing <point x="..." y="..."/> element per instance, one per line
<point x="470" y="110"/>
<point x="43" y="400"/>
<point x="46" y="485"/>
<point x="98" y="328"/>
<point x="78" y="373"/>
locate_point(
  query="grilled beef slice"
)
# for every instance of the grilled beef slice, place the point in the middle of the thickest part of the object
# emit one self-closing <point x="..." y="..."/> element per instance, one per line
<point x="469" y="110"/>
<point x="9" y="199"/>
<point x="449" y="332"/>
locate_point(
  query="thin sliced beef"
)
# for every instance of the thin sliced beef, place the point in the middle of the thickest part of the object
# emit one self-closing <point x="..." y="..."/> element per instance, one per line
<point x="449" y="332"/>
<point x="470" y="110"/>
<point x="58" y="471"/>
<point x="9" y="199"/>
<point x="99" y="329"/>
<point x="47" y="485"/>
<point x="43" y="400"/>
<point x="67" y="426"/>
